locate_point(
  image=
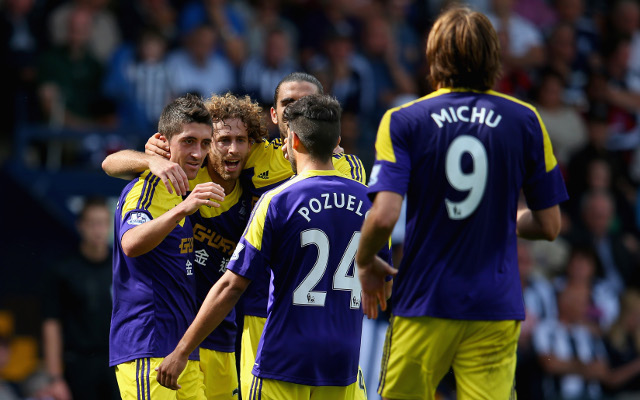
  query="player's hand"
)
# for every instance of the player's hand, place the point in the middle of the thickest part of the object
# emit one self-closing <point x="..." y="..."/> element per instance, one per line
<point x="170" y="369"/>
<point x="374" y="288"/>
<point x="202" y="195"/>
<point x="171" y="174"/>
<point x="157" y="145"/>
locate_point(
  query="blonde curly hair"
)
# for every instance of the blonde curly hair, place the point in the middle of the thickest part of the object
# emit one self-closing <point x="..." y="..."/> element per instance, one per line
<point x="246" y="110"/>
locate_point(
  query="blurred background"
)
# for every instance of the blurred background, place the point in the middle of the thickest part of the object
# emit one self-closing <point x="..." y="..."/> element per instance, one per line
<point x="81" y="79"/>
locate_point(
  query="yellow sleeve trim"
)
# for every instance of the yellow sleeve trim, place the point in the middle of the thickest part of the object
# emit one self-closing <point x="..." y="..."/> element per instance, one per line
<point x="384" y="145"/>
<point x="550" y="161"/>
<point x="255" y="229"/>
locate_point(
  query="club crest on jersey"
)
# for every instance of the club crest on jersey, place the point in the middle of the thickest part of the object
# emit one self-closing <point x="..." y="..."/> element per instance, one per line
<point x="138" y="218"/>
<point x="236" y="253"/>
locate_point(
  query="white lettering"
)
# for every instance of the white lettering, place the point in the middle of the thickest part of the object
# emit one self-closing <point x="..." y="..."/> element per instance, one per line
<point x="350" y="202"/>
<point x="442" y="117"/>
<point x="358" y="210"/>
<point x="495" y="122"/>
<point x="304" y="211"/>
<point x="453" y="114"/>
<point x="326" y="200"/>
<point x="319" y="205"/>
<point x="475" y="114"/>
<point x="335" y="200"/>
<point x="459" y="113"/>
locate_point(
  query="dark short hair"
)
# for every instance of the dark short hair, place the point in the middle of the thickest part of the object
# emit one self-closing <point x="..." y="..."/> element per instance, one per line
<point x="181" y="111"/>
<point x="316" y="121"/>
<point x="463" y="51"/>
<point x="297" y="77"/>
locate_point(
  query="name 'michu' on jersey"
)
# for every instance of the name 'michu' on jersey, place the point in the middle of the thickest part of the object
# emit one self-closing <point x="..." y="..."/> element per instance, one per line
<point x="216" y="231"/>
<point x="153" y="294"/>
<point x="306" y="232"/>
<point x="266" y="169"/>
<point x="461" y="158"/>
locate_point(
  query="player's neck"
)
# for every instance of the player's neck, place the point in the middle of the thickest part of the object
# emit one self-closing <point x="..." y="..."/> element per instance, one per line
<point x="306" y="163"/>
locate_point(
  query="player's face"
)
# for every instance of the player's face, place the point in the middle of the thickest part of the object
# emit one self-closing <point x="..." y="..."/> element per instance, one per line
<point x="230" y="148"/>
<point x="288" y="93"/>
<point x="189" y="147"/>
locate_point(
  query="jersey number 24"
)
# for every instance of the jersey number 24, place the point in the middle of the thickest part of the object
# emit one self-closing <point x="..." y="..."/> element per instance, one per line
<point x="304" y="295"/>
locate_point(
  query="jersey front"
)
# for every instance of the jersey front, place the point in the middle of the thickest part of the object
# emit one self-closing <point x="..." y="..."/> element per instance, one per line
<point x="461" y="158"/>
<point x="216" y="231"/>
<point x="306" y="233"/>
<point x="153" y="294"/>
<point x="266" y="169"/>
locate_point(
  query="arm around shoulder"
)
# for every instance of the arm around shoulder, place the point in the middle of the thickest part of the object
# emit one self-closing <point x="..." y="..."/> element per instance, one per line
<point x="125" y="164"/>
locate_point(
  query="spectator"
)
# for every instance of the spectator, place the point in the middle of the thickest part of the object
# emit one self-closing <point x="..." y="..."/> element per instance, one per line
<point x="623" y="348"/>
<point x="268" y="16"/>
<point x="137" y="16"/>
<point x="197" y="68"/>
<point x="587" y="37"/>
<point x="572" y="357"/>
<point x="345" y="74"/>
<point x="540" y="304"/>
<point x="390" y="78"/>
<point x="227" y="21"/>
<point x="139" y="83"/>
<point x="78" y="311"/>
<point x="104" y="33"/>
<point x="70" y="77"/>
<point x="524" y="48"/>
<point x="20" y="41"/>
<point x="613" y="249"/>
<point x="261" y="73"/>
<point x="573" y="67"/>
<point x="566" y="128"/>
<point x="584" y="271"/>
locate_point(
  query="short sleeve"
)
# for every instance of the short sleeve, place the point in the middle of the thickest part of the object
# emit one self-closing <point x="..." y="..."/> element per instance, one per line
<point x="543" y="185"/>
<point x="252" y="252"/>
<point x="392" y="167"/>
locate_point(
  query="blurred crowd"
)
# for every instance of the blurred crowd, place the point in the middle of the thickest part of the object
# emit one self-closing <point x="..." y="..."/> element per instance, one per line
<point x="113" y="65"/>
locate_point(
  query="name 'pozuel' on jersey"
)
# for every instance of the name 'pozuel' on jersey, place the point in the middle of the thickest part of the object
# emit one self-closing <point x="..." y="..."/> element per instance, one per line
<point x="266" y="169"/>
<point x="467" y="156"/>
<point x="306" y="232"/>
<point x="216" y="232"/>
<point x="153" y="294"/>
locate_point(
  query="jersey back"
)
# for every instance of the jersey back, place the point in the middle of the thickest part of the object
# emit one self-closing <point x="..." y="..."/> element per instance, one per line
<point x="462" y="159"/>
<point x="266" y="169"/>
<point x="306" y="233"/>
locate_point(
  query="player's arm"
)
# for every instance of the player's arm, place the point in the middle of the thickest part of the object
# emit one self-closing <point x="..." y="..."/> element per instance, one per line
<point x="145" y="237"/>
<point x="222" y="297"/>
<point x="540" y="224"/>
<point x="127" y="164"/>
<point x="376" y="231"/>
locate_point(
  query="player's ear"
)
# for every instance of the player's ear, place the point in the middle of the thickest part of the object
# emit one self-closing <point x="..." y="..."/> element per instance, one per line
<point x="274" y="116"/>
<point x="296" y="143"/>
